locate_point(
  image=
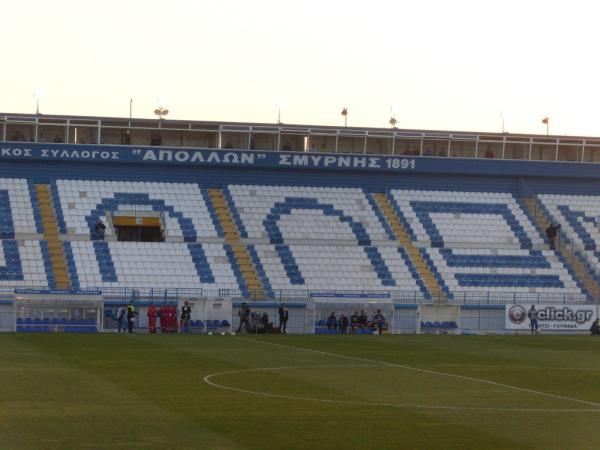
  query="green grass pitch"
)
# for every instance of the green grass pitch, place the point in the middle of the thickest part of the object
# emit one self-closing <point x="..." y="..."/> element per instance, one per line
<point x="299" y="392"/>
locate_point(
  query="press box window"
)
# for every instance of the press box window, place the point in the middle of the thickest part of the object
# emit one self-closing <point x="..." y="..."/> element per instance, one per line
<point x="138" y="229"/>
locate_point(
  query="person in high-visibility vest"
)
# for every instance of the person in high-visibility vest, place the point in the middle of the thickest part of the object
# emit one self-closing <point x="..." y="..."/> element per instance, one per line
<point x="152" y="314"/>
<point x="130" y="317"/>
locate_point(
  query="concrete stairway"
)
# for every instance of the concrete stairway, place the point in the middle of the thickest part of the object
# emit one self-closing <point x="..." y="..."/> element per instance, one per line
<point x="51" y="235"/>
<point x="565" y="250"/>
<point x="406" y="242"/>
<point x="240" y="251"/>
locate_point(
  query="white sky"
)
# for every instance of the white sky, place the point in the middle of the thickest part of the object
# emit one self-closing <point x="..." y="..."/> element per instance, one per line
<point x="452" y="65"/>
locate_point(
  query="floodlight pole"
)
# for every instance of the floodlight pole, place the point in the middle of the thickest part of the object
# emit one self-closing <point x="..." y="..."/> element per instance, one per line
<point x="37" y="93"/>
<point x="161" y="112"/>
<point x="546" y="121"/>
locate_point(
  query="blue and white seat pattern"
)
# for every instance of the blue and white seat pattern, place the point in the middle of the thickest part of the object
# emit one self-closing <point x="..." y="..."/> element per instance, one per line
<point x="16" y="210"/>
<point x="310" y="238"/>
<point x="318" y="213"/>
<point x="450" y="218"/>
<point x="579" y="216"/>
<point x="22" y="264"/>
<point x="151" y="265"/>
<point x="334" y="267"/>
<point x="80" y="198"/>
<point x="502" y="270"/>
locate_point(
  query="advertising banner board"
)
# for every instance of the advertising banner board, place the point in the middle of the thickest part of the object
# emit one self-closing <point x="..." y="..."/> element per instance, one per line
<point x="551" y="317"/>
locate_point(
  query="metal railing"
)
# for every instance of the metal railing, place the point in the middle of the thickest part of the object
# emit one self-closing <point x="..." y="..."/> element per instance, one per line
<point x="305" y="138"/>
<point x="153" y="295"/>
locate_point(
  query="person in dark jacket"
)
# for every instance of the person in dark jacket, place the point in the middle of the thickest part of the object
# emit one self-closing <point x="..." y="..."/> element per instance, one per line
<point x="551" y="233"/>
<point x="343" y="324"/>
<point x="244" y="314"/>
<point x="100" y="230"/>
<point x="283" y="318"/>
<point x="186" y="315"/>
<point x="332" y="322"/>
<point x="378" y="321"/>
<point x="354" y="322"/>
<point x="595" y="329"/>
<point x="363" y="321"/>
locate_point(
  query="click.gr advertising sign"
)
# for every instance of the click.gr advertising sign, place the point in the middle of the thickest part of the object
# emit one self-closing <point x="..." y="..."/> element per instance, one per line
<point x="551" y="317"/>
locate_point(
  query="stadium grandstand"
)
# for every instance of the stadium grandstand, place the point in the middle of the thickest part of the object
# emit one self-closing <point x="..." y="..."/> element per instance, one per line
<point x="443" y="231"/>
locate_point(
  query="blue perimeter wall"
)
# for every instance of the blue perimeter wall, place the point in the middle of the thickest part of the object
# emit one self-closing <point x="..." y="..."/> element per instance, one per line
<point x="430" y="173"/>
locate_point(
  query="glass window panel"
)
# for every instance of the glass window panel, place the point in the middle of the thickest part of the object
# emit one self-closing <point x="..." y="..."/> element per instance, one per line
<point x="263" y="141"/>
<point x="543" y="152"/>
<point x="462" y="149"/>
<point x="319" y="143"/>
<point x="435" y="147"/>
<point x="516" y="150"/>
<point x="379" y="146"/>
<point x="351" y="144"/>
<point x="407" y="146"/>
<point x="230" y="139"/>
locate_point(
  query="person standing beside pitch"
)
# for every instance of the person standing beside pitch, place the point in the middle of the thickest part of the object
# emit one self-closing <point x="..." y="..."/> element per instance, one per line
<point x="244" y="314"/>
<point x="130" y="317"/>
<point x="532" y="314"/>
<point x="121" y="319"/>
<point x="283" y="318"/>
<point x="186" y="315"/>
<point x="152" y="314"/>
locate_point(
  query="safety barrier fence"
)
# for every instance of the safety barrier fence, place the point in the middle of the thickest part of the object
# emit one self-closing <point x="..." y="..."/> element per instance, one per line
<point x="157" y="296"/>
<point x="308" y="311"/>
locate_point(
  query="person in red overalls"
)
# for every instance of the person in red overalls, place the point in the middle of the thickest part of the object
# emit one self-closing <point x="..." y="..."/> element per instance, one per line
<point x="152" y="313"/>
<point x="170" y="319"/>
<point x="162" y="314"/>
<point x="174" y="324"/>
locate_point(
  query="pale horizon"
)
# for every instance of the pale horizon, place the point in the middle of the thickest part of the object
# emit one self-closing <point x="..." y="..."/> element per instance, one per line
<point x="436" y="66"/>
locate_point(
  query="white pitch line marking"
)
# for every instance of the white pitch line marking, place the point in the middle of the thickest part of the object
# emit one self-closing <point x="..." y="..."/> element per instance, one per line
<point x="433" y="372"/>
<point x="208" y="380"/>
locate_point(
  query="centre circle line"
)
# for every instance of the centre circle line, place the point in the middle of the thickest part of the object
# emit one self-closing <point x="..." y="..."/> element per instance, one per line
<point x="208" y="379"/>
<point x="430" y="372"/>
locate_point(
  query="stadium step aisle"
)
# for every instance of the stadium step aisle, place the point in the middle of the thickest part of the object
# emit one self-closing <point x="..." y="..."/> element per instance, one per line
<point x="431" y="284"/>
<point x="570" y="259"/>
<point x="242" y="262"/>
<point x="55" y="248"/>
